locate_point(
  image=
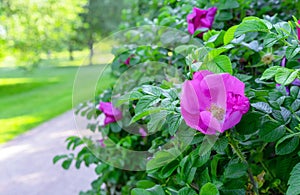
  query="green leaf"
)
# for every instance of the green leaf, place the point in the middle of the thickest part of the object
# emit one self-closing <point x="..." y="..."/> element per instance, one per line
<point x="269" y="24"/>
<point x="173" y="121"/>
<point x="225" y="16"/>
<point x="207" y="144"/>
<point x="254" y="45"/>
<point x="294" y="181"/>
<point x="160" y="159"/>
<point x="283" y="29"/>
<point x="270" y="72"/>
<point x="167" y="170"/>
<point x="214" y="166"/>
<point x="186" y="191"/>
<point x="152" y="90"/>
<point x="100" y="168"/>
<point x="67" y="163"/>
<point x="187" y="171"/>
<point x="292" y="51"/>
<point x="262" y="106"/>
<point x="201" y="160"/>
<point x="145" y="102"/>
<point x="200" y="30"/>
<point x="209" y="189"/>
<point x="270" y="40"/>
<point x="295" y="92"/>
<point x="236" y="170"/>
<point x="204" y="177"/>
<point x="220" y="145"/>
<point x="227" y="4"/>
<point x="270" y="131"/>
<point x="249" y="123"/>
<point x="156" y="121"/>
<point x="145" y="113"/>
<point x="156" y="190"/>
<point x="251" y="26"/>
<point x="295" y="105"/>
<point x="185" y="49"/>
<point x="216" y="39"/>
<point x="145" y="184"/>
<point x="216" y="52"/>
<point x="115" y="127"/>
<point x="134" y="95"/>
<point x="168" y="37"/>
<point x="285" y="76"/>
<point x="287" y="144"/>
<point x="138" y="191"/>
<point x="220" y="64"/>
<point x="59" y="157"/>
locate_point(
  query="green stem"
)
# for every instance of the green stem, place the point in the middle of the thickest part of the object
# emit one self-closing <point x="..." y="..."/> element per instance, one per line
<point x="279" y="187"/>
<point x="286" y="43"/>
<point x="263" y="147"/>
<point x="193" y="186"/>
<point x="237" y="150"/>
<point x="288" y="129"/>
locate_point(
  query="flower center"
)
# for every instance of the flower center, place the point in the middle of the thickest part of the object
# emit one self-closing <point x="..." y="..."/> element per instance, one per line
<point x="217" y="112"/>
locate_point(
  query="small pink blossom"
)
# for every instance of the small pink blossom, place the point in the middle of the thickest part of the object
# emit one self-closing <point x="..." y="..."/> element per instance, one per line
<point x="127" y="61"/>
<point x="295" y="82"/>
<point x="112" y="114"/>
<point x="101" y="142"/>
<point x="213" y="103"/>
<point x="143" y="132"/>
<point x="200" y="19"/>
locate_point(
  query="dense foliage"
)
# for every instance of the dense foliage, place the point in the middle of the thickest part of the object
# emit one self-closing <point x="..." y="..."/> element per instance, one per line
<point x="31" y="28"/>
<point x="149" y="145"/>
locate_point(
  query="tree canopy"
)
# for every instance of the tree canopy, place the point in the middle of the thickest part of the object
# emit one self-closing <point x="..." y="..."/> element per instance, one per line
<point x="31" y="27"/>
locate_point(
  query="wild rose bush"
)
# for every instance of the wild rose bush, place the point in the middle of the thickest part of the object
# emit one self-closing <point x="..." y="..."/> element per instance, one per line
<point x="223" y="120"/>
<point x="213" y="103"/>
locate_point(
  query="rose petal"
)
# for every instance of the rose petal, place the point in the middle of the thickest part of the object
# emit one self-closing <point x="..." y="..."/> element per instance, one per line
<point x="109" y="119"/>
<point x="189" y="105"/>
<point x="106" y="108"/>
<point x="215" y="85"/>
<point x="211" y="122"/>
<point x="233" y="84"/>
<point x="232" y="120"/>
<point x="200" y="19"/>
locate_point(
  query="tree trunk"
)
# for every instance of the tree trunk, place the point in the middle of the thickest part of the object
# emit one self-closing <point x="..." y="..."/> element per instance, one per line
<point x="91" y="47"/>
<point x="49" y="54"/>
<point x="71" y="57"/>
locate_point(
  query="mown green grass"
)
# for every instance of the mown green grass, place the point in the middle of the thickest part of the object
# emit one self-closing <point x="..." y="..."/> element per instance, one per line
<point x="28" y="99"/>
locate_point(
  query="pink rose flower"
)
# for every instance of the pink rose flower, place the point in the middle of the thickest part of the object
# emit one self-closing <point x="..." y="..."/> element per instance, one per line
<point x="200" y="19"/>
<point x="213" y="103"/>
<point x="112" y="114"/>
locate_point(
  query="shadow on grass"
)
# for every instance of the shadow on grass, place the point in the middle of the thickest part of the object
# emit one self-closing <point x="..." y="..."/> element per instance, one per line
<point x="29" y="99"/>
<point x="8" y="88"/>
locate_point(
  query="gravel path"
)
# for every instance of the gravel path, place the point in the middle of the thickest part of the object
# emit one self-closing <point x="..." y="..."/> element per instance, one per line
<point x="26" y="162"/>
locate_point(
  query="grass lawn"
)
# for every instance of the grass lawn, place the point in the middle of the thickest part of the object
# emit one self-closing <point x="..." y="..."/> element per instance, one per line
<point x="30" y="98"/>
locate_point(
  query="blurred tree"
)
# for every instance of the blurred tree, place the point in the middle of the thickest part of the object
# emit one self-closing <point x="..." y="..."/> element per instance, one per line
<point x="100" y="18"/>
<point x="33" y="26"/>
